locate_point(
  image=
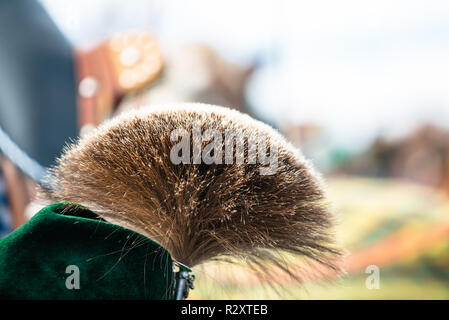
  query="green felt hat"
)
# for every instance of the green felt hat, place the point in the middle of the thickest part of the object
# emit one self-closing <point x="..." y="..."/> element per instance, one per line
<point x="68" y="252"/>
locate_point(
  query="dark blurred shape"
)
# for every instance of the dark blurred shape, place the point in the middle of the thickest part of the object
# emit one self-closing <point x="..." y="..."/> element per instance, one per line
<point x="198" y="73"/>
<point x="37" y="81"/>
<point x="421" y="157"/>
<point x="227" y="81"/>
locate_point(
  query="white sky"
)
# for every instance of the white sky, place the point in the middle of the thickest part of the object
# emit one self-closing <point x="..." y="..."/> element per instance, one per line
<point x="360" y="68"/>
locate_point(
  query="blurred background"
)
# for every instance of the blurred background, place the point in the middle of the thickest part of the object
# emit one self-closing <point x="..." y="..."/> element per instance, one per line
<point x="361" y="87"/>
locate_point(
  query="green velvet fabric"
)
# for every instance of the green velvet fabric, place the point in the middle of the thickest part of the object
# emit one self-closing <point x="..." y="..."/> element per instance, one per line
<point x="113" y="262"/>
